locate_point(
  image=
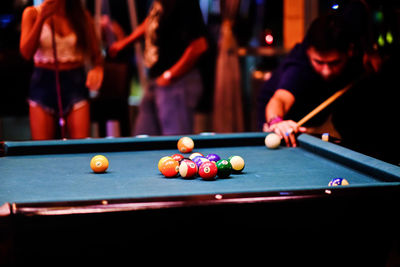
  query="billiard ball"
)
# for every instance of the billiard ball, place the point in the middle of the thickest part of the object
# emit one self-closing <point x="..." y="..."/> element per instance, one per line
<point x="272" y="141"/>
<point x="213" y="157"/>
<point x="237" y="163"/>
<point x="199" y="160"/>
<point x="195" y="154"/>
<point x="185" y="144"/>
<point x="208" y="170"/>
<point x="161" y="161"/>
<point x="99" y="163"/>
<point x="194" y="159"/>
<point x="177" y="157"/>
<point x="325" y="137"/>
<point x="224" y="168"/>
<point x="188" y="169"/>
<point x="338" y="181"/>
<point x="170" y="168"/>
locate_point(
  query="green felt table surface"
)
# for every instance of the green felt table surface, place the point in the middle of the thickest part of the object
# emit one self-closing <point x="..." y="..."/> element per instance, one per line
<point x="134" y="174"/>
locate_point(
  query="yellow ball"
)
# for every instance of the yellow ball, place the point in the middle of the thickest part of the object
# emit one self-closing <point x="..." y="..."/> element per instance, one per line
<point x="99" y="164"/>
<point x="272" y="141"/>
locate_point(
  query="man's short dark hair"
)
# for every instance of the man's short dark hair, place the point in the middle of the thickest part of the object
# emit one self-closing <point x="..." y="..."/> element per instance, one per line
<point x="328" y="33"/>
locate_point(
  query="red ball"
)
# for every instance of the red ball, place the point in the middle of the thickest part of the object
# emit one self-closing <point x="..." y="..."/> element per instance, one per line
<point x="208" y="170"/>
<point x="177" y="157"/>
<point x="187" y="169"/>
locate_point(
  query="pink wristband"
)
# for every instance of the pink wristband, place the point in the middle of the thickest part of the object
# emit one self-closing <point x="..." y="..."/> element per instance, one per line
<point x="274" y="120"/>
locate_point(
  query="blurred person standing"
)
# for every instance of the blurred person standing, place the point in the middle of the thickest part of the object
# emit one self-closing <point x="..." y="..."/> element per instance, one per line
<point x="174" y="34"/>
<point x="76" y="43"/>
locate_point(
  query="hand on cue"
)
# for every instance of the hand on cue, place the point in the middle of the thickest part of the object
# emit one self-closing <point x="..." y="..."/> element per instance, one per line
<point x="287" y="130"/>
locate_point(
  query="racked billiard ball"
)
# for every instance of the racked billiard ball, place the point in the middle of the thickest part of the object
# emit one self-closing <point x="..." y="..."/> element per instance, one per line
<point x="187" y="169"/>
<point x="99" y="164"/>
<point x="170" y="168"/>
<point x="208" y="170"/>
<point x="237" y="163"/>
<point x="224" y="168"/>
<point x="185" y="144"/>
<point x="213" y="157"/>
<point x="161" y="161"/>
<point x="199" y="160"/>
<point x="177" y="157"/>
<point x="195" y="154"/>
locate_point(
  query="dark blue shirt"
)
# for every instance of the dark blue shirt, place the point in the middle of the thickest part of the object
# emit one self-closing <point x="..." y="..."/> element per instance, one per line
<point x="296" y="75"/>
<point x="176" y="23"/>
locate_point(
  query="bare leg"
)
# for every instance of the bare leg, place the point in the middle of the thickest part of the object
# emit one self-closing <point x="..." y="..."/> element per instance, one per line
<point x="41" y="122"/>
<point x="78" y="121"/>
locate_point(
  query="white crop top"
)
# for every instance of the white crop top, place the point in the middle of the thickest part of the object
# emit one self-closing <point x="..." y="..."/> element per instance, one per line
<point x="67" y="50"/>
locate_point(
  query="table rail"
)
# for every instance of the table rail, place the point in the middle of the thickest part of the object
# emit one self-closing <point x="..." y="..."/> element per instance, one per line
<point x="18" y="148"/>
<point x="157" y="203"/>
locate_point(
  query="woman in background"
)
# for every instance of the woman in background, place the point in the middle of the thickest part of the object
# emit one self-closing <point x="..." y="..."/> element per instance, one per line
<point x="76" y="44"/>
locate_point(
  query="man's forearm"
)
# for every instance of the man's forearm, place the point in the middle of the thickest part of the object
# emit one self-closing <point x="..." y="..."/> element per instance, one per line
<point x="189" y="57"/>
<point x="279" y="105"/>
<point x="136" y="34"/>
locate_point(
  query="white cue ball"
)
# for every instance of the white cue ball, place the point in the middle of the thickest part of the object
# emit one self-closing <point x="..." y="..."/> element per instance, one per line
<point x="272" y="141"/>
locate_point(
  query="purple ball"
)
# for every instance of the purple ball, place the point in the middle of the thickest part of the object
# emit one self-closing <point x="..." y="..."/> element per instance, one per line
<point x="199" y="160"/>
<point x="213" y="157"/>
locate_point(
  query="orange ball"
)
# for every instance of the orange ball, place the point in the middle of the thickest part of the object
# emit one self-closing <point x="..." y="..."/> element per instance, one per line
<point x="185" y="144"/>
<point x="99" y="164"/>
<point x="161" y="161"/>
<point x="170" y="168"/>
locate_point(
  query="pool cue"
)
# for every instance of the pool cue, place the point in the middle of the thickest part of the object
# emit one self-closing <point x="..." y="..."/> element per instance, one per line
<point x="61" y="120"/>
<point x="324" y="104"/>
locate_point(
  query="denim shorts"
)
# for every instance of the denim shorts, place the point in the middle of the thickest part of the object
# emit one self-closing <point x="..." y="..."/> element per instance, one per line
<point x="44" y="93"/>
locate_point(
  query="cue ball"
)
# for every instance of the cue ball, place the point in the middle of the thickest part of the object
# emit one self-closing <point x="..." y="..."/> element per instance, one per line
<point x="272" y="141"/>
<point x="185" y="144"/>
<point x="338" y="181"/>
<point x="99" y="163"/>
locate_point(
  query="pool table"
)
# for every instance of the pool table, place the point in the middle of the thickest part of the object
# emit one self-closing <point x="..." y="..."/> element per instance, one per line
<point x="54" y="205"/>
